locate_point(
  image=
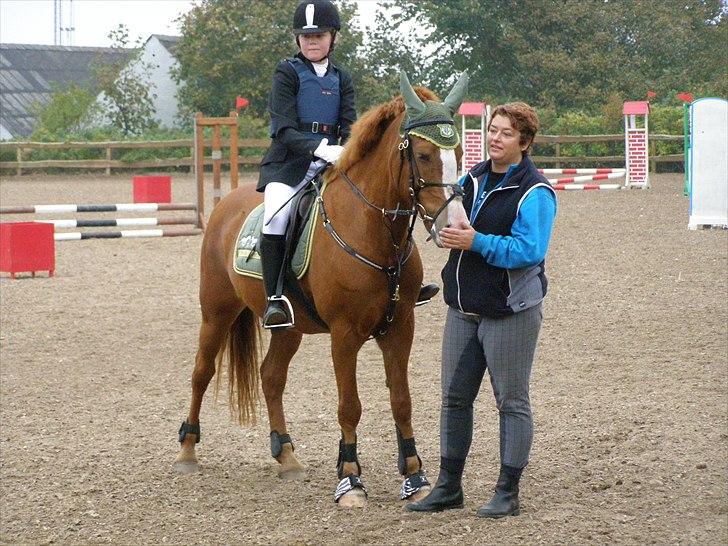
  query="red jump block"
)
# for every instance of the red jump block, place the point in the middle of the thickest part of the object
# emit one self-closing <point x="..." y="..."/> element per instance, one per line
<point x="152" y="189"/>
<point x="27" y="246"/>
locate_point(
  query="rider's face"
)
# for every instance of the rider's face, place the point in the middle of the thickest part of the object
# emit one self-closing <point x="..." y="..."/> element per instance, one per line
<point x="315" y="47"/>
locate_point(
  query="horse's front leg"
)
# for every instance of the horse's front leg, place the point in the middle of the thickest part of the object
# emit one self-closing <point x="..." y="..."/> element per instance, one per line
<point x="396" y="346"/>
<point x="273" y="374"/>
<point x="350" y="492"/>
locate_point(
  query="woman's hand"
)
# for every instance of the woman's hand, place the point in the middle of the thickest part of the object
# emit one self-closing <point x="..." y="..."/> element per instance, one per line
<point x="460" y="238"/>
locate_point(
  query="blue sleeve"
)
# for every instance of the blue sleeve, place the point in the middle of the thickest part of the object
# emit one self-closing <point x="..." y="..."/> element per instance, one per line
<point x="530" y="234"/>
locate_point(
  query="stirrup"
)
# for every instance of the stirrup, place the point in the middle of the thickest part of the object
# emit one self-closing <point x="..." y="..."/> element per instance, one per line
<point x="432" y="291"/>
<point x="288" y="310"/>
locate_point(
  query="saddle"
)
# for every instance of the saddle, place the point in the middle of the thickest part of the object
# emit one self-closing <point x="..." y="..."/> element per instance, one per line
<point x="299" y="245"/>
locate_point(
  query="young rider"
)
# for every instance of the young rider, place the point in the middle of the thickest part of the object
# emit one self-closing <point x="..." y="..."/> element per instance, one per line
<point x="312" y="109"/>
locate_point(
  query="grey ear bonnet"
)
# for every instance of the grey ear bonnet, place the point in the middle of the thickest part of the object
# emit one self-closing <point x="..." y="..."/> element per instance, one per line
<point x="442" y="135"/>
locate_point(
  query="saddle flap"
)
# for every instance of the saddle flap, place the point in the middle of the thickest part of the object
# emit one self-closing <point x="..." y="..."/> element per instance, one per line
<point x="246" y="259"/>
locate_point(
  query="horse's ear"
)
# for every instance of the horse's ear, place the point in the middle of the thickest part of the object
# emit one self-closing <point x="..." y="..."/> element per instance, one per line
<point x="455" y="98"/>
<point x="411" y="100"/>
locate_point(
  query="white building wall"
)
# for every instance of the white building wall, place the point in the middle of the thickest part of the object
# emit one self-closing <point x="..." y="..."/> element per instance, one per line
<point x="161" y="61"/>
<point x="160" y="82"/>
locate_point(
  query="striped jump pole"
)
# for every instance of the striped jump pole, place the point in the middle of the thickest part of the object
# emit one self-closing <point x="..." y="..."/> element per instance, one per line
<point x="119" y="222"/>
<point x="574" y="183"/>
<point x="132" y="233"/>
<point x="586" y="186"/>
<point x="582" y="171"/>
<point x="121" y="207"/>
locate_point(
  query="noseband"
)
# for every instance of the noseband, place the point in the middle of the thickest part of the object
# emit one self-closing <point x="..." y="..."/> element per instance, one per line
<point x="401" y="254"/>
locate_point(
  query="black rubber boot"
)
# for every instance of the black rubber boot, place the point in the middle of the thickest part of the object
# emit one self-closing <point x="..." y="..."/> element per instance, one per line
<point x="427" y="292"/>
<point x="448" y="491"/>
<point x="272" y="249"/>
<point x="505" y="501"/>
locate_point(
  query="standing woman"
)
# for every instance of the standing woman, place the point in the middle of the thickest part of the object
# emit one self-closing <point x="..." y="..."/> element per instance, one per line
<point x="494" y="283"/>
<point x="311" y="106"/>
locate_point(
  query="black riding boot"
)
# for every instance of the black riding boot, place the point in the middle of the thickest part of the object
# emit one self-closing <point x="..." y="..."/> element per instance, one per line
<point x="427" y="292"/>
<point x="272" y="249"/>
<point x="505" y="500"/>
<point x="448" y="491"/>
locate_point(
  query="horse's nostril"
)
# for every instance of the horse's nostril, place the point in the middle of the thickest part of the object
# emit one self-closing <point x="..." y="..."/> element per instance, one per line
<point x="448" y="225"/>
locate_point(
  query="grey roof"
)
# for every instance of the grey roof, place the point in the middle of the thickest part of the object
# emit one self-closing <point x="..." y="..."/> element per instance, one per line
<point x="29" y="72"/>
<point x="169" y="42"/>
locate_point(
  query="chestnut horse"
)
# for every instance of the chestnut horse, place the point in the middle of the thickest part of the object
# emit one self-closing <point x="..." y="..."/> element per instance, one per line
<point x="363" y="279"/>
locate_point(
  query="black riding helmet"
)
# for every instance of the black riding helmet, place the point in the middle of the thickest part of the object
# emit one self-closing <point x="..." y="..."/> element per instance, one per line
<point x="316" y="17"/>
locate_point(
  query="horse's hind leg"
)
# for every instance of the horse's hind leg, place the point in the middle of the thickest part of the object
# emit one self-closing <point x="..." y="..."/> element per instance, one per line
<point x="217" y="318"/>
<point x="273" y="375"/>
<point x="396" y="346"/>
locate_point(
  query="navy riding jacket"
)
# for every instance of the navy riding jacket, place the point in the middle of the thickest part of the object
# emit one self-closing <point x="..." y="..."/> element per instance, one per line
<point x="298" y="95"/>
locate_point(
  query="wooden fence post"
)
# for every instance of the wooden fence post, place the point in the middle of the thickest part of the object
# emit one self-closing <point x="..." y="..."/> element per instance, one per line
<point x="557" y="149"/>
<point x="200" y="169"/>
<point x="216" y="164"/>
<point x="108" y="159"/>
<point x="233" y="152"/>
<point x="19" y="159"/>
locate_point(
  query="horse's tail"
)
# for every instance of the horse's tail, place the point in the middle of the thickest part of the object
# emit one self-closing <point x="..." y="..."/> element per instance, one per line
<point x="242" y="347"/>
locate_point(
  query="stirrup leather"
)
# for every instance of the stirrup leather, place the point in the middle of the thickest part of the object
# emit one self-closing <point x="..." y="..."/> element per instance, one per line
<point x="288" y="310"/>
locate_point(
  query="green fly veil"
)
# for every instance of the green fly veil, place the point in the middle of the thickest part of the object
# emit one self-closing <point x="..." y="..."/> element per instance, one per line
<point x="430" y="120"/>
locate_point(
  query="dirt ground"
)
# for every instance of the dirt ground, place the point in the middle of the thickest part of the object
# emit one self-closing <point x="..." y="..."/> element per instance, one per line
<point x="630" y="396"/>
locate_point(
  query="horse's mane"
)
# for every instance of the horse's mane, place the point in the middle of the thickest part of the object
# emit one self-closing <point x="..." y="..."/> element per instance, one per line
<point x="368" y="130"/>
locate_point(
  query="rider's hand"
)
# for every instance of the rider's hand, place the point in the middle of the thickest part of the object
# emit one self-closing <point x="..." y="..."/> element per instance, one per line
<point x="328" y="152"/>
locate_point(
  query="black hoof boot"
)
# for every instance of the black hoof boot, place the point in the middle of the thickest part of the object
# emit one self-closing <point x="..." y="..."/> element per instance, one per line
<point x="446" y="495"/>
<point x="505" y="500"/>
<point x="427" y="292"/>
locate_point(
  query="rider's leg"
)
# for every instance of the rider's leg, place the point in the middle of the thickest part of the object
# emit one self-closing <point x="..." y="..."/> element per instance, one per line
<point x="272" y="248"/>
<point x="273" y="245"/>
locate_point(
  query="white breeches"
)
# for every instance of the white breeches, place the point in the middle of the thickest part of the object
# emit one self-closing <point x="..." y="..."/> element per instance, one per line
<point x="276" y="194"/>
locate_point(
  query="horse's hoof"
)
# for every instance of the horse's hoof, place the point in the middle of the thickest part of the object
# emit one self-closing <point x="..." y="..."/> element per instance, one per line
<point x="186" y="467"/>
<point x="296" y="473"/>
<point x="356" y="498"/>
<point x="419" y="495"/>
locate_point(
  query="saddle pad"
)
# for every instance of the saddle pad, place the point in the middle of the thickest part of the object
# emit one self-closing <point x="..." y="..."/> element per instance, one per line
<point x="246" y="260"/>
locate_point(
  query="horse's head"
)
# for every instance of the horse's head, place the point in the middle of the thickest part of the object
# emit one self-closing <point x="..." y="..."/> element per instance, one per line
<point x="433" y="149"/>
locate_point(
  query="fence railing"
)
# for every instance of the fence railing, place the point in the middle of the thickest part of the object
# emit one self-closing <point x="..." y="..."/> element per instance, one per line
<point x="108" y="163"/>
<point x="557" y="159"/>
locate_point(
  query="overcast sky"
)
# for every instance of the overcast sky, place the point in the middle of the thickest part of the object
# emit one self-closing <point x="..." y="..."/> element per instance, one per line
<point x="31" y="21"/>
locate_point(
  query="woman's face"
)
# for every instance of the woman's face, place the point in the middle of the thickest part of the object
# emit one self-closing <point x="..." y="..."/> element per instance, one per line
<point x="315" y="47"/>
<point x="503" y="141"/>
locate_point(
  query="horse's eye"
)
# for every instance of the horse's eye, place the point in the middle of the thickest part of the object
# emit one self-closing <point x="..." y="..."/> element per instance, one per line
<point x="423" y="157"/>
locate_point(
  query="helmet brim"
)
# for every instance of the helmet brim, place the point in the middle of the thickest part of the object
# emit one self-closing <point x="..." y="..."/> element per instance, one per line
<point x="317" y="30"/>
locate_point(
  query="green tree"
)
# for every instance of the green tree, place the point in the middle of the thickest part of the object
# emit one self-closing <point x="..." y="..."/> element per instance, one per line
<point x="230" y="48"/>
<point x="386" y="52"/>
<point x="127" y="90"/>
<point x="68" y="111"/>
<point x="574" y="53"/>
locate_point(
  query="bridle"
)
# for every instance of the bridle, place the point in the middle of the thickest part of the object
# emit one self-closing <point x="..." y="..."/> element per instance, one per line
<point x="401" y="252"/>
<point x="417" y="183"/>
